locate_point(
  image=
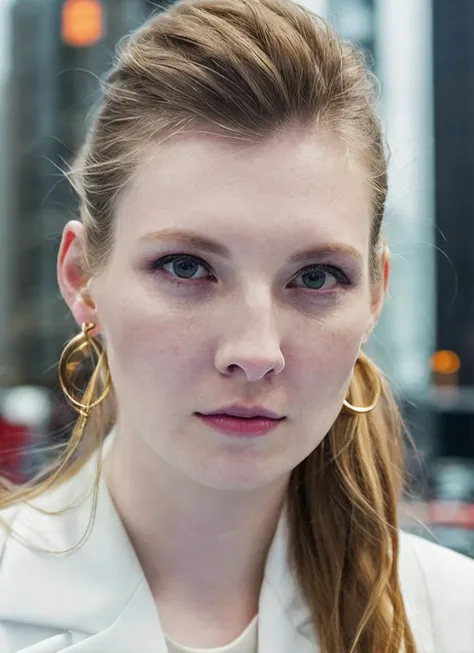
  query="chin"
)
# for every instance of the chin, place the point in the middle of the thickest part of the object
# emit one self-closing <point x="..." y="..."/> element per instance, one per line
<point x="241" y="476"/>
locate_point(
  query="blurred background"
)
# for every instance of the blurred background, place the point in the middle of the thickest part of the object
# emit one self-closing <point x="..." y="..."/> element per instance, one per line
<point x="52" y="56"/>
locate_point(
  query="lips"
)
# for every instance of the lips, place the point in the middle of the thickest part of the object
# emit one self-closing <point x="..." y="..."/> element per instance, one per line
<point x="247" y="427"/>
<point x="240" y="410"/>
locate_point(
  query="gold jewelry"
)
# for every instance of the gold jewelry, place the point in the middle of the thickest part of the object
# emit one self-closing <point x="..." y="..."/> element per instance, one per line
<point x="364" y="362"/>
<point x="86" y="346"/>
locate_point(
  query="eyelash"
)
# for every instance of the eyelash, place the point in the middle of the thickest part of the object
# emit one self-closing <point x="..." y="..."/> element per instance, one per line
<point x="159" y="264"/>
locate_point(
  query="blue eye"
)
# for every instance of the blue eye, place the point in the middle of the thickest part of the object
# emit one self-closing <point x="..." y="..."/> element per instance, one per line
<point x="182" y="266"/>
<point x="323" y="277"/>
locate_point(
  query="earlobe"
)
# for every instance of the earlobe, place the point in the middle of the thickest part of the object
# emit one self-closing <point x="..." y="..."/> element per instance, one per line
<point x="71" y="275"/>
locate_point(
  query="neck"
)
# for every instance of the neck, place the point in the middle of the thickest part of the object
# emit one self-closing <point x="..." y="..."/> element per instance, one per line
<point x="196" y="544"/>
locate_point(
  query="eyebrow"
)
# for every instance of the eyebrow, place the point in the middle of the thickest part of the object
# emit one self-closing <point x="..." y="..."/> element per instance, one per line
<point x="212" y="246"/>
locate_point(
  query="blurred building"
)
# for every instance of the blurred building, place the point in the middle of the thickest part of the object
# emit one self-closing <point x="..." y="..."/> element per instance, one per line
<point x="49" y="76"/>
<point x="47" y="88"/>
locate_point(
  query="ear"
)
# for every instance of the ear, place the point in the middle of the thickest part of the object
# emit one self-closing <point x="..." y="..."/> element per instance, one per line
<point x="71" y="275"/>
<point x="379" y="292"/>
<point x="386" y="267"/>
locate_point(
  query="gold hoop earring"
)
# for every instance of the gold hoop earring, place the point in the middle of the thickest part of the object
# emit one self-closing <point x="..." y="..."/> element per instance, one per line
<point x="362" y="410"/>
<point x="85" y="345"/>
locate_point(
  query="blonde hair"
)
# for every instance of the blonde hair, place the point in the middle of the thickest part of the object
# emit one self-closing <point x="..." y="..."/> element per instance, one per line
<point x="247" y="68"/>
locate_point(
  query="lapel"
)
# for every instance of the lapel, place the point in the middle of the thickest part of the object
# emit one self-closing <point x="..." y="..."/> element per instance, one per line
<point x="285" y="622"/>
<point x="96" y="599"/>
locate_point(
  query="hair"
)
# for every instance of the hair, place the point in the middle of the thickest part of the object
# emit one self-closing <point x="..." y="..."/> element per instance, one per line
<point x="246" y="69"/>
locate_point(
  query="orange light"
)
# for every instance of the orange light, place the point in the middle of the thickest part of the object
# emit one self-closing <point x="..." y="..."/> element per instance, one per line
<point x="445" y="362"/>
<point x="82" y="22"/>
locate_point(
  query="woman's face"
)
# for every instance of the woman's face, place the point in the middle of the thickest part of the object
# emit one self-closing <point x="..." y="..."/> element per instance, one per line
<point x="240" y="273"/>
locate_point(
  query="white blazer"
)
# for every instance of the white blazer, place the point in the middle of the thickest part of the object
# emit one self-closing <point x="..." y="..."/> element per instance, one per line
<point x="97" y="600"/>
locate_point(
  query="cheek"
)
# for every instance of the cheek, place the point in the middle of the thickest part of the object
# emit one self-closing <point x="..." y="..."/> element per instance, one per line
<point x="146" y="337"/>
<point x="323" y="360"/>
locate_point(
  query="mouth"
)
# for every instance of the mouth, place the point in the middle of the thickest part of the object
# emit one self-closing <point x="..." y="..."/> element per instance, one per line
<point x="245" y="412"/>
<point x="240" y="420"/>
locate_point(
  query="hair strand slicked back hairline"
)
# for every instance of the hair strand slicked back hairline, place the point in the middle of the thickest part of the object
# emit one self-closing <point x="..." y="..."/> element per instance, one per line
<point x="246" y="68"/>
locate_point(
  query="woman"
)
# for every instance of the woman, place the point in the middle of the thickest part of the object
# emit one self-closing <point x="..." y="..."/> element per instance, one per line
<point x="246" y="497"/>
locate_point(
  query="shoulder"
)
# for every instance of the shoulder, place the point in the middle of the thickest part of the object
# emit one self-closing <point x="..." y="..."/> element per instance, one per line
<point x="438" y="586"/>
<point x="442" y="568"/>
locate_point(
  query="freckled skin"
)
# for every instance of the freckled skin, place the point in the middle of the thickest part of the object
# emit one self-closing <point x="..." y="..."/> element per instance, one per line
<point x="246" y="335"/>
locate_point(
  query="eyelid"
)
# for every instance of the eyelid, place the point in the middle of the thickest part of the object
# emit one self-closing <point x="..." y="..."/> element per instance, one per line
<point x="169" y="258"/>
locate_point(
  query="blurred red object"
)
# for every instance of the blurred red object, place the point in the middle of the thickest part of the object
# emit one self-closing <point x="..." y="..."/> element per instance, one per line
<point x="13" y="443"/>
<point x="451" y="513"/>
<point x="456" y="514"/>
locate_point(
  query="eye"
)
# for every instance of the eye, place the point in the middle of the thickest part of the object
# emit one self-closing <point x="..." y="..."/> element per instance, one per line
<point x="181" y="266"/>
<point x="323" y="277"/>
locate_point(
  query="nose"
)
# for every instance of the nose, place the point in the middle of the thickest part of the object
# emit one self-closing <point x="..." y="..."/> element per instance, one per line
<point x="251" y="343"/>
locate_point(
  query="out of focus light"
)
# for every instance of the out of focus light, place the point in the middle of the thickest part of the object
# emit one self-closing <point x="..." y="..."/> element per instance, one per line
<point x="27" y="405"/>
<point x="82" y="22"/>
<point x="445" y="362"/>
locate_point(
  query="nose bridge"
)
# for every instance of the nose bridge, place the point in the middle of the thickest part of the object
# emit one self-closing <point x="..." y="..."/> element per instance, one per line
<point x="251" y="339"/>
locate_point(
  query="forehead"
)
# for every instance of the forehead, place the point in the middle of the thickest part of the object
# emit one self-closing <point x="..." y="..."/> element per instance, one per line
<point x="292" y="186"/>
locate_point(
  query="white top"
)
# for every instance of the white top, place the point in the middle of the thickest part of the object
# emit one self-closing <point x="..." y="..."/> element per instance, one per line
<point x="246" y="642"/>
<point x="96" y="599"/>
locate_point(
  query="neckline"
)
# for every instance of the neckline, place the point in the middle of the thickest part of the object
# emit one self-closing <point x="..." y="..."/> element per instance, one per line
<point x="217" y="649"/>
